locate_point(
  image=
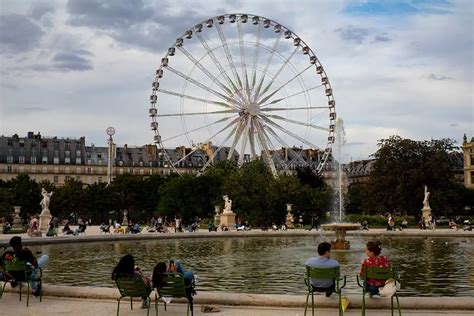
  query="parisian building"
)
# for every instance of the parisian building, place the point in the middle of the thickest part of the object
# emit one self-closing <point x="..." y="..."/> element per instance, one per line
<point x="468" y="152"/>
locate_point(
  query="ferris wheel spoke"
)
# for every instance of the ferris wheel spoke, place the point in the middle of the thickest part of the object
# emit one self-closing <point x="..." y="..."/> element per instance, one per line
<point x="205" y="71"/>
<point x="251" y="134"/>
<point x="210" y="52"/>
<point x="196" y="113"/>
<point x="272" y="80"/>
<point x="269" y="60"/>
<point x="284" y="130"/>
<point x="278" y="117"/>
<point x="278" y="138"/>
<point x="255" y="56"/>
<point x="182" y="95"/>
<point x="202" y="86"/>
<point x="243" y="144"/>
<point x="211" y="159"/>
<point x="274" y="149"/>
<point x="238" y="134"/>
<point x="291" y="95"/>
<point x="197" y="147"/>
<point x="229" y="56"/>
<point x="221" y="120"/>
<point x="293" y="109"/>
<point x="242" y="59"/>
<point x="264" y="147"/>
<point x="283" y="85"/>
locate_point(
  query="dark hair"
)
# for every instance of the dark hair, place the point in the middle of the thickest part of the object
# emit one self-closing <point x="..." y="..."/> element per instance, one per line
<point x="125" y="266"/>
<point x="158" y="273"/>
<point x="323" y="248"/>
<point x="15" y="242"/>
<point x="374" y="246"/>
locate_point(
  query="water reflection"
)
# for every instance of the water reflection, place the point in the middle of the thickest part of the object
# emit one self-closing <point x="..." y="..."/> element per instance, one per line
<point x="428" y="267"/>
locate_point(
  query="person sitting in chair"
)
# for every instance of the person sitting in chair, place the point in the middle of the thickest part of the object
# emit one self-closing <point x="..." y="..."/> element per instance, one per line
<point x="174" y="266"/>
<point x="373" y="250"/>
<point x="24" y="254"/>
<point x="324" y="261"/>
<point x="126" y="268"/>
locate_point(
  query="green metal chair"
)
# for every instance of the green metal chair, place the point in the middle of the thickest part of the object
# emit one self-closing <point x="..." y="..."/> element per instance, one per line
<point x="174" y="286"/>
<point x="19" y="272"/>
<point x="381" y="274"/>
<point x="130" y="286"/>
<point x="323" y="274"/>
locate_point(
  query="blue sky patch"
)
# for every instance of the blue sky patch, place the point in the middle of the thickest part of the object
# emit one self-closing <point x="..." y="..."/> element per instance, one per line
<point x="406" y="7"/>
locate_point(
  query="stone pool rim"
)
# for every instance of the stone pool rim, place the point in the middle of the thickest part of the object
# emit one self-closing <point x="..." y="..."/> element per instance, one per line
<point x="269" y="300"/>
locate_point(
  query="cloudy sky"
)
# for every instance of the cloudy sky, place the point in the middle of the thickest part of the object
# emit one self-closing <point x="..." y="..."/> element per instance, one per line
<point x="73" y="68"/>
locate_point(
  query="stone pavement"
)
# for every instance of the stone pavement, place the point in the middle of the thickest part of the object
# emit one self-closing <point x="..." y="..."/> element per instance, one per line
<point x="51" y="306"/>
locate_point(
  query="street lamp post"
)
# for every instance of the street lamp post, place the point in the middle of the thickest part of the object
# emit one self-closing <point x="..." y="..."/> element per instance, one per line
<point x="110" y="131"/>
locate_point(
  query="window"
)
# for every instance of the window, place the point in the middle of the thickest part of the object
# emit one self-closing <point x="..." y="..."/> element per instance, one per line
<point x="78" y="153"/>
<point x="33" y="169"/>
<point x="78" y="161"/>
<point x="21" y="159"/>
<point x="89" y="170"/>
<point x="67" y="146"/>
<point x="56" y="160"/>
<point x="22" y="143"/>
<point x="99" y="179"/>
<point x="56" y="179"/>
<point x="9" y="169"/>
<point x="89" y="161"/>
<point x="100" y="162"/>
<point x="78" y="178"/>
<point x="142" y="171"/>
<point x="9" y="159"/>
<point x="45" y="169"/>
<point x="10" y="143"/>
<point x="45" y="160"/>
<point x="121" y="170"/>
<point x="67" y="178"/>
<point x="78" y="170"/>
<point x="472" y="160"/>
<point x="67" y="160"/>
<point x="56" y="169"/>
<point x="33" y="159"/>
<point x="56" y="145"/>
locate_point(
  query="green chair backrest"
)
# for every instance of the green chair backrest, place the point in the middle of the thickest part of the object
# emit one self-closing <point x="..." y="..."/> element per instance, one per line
<point x="322" y="273"/>
<point x="131" y="286"/>
<point x="173" y="285"/>
<point x="379" y="273"/>
<point x="17" y="268"/>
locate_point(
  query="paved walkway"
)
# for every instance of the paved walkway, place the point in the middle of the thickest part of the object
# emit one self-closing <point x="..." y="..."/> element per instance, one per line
<point x="51" y="306"/>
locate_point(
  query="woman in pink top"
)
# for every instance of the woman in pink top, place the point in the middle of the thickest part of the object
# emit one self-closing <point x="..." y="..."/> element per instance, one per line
<point x="373" y="250"/>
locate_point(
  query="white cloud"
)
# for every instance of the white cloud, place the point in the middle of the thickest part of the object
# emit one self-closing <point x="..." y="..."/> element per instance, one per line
<point x="386" y="79"/>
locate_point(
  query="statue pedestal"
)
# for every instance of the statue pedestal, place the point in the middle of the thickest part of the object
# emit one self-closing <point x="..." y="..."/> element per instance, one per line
<point x="426" y="213"/>
<point x="44" y="219"/>
<point x="228" y="220"/>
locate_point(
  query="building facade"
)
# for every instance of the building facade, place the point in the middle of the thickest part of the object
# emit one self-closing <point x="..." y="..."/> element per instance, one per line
<point x="468" y="152"/>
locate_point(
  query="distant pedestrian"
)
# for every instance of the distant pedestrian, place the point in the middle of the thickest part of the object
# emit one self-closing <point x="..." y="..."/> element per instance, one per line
<point x="301" y="221"/>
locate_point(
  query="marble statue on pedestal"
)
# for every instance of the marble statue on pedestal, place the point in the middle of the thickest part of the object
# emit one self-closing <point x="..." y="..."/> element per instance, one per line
<point x="45" y="215"/>
<point x="227" y="204"/>
<point x="426" y="202"/>
<point x="227" y="218"/>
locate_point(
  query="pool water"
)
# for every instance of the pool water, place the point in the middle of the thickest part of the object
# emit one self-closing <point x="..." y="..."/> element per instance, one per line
<point x="270" y="265"/>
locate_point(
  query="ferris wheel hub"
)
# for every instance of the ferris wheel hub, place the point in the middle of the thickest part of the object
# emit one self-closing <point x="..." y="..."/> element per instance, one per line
<point x="253" y="109"/>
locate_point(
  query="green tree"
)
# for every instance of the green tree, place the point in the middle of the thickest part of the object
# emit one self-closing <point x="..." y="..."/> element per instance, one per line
<point x="25" y="192"/>
<point x="402" y="168"/>
<point x="68" y="199"/>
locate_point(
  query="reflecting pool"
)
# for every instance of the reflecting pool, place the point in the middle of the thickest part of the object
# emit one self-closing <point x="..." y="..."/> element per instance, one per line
<point x="271" y="265"/>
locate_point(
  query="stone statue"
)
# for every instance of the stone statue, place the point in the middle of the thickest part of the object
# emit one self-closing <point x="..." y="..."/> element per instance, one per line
<point x="426" y="202"/>
<point x="46" y="199"/>
<point x="227" y="204"/>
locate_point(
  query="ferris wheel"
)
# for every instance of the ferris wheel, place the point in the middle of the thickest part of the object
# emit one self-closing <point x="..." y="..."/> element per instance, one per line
<point x="238" y="87"/>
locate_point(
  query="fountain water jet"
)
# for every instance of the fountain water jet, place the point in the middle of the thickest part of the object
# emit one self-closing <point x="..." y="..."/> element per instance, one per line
<point x="340" y="228"/>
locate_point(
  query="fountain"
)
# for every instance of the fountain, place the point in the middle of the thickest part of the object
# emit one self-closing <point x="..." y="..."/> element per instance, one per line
<point x="340" y="243"/>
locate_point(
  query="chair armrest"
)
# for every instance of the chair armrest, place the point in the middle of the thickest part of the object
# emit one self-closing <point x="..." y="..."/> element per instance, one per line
<point x="306" y="281"/>
<point x="344" y="284"/>
<point x="358" y="282"/>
